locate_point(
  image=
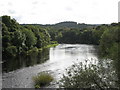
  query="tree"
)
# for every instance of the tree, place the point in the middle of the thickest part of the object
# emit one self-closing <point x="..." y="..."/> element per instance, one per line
<point x="30" y="38"/>
<point x="109" y="46"/>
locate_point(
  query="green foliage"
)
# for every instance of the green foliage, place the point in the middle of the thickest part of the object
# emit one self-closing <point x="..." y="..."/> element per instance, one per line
<point x="43" y="37"/>
<point x="18" y="39"/>
<point x="4" y="29"/>
<point x="109" y="42"/>
<point x="42" y="79"/>
<point x="6" y="40"/>
<point x="10" y="23"/>
<point x="109" y="45"/>
<point x="11" y="50"/>
<point x="89" y="75"/>
<point x="54" y="42"/>
<point x="33" y="51"/>
<point x="76" y="35"/>
<point x="23" y="37"/>
<point x="51" y="45"/>
<point x="30" y="38"/>
<point x="97" y="33"/>
<point x="37" y="86"/>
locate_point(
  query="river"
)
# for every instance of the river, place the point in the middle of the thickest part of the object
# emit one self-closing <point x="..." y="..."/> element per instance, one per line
<point x="56" y="61"/>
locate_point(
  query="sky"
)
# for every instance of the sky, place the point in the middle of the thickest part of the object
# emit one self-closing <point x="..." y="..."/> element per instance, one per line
<point x="54" y="11"/>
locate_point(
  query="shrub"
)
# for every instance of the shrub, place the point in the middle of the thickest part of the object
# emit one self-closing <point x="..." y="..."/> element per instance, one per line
<point x="42" y="79"/>
<point x="96" y="76"/>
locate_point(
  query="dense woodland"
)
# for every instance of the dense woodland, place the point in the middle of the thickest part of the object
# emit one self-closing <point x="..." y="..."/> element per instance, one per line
<point x="22" y="39"/>
<point x="17" y="39"/>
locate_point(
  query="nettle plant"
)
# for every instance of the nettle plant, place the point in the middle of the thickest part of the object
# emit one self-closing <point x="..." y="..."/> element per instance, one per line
<point x="98" y="75"/>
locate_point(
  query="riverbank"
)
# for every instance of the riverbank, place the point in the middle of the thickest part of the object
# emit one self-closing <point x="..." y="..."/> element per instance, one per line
<point x="50" y="45"/>
<point x="56" y="60"/>
<point x="37" y="50"/>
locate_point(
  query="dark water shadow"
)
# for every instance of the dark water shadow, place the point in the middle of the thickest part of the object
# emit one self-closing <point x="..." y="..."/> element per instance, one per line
<point x="21" y="61"/>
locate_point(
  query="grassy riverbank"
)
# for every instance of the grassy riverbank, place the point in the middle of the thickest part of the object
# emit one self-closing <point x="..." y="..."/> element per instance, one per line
<point x="51" y="45"/>
<point x="37" y="50"/>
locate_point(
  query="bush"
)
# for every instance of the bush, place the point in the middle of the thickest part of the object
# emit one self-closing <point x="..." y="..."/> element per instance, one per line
<point x="96" y="76"/>
<point x="42" y="79"/>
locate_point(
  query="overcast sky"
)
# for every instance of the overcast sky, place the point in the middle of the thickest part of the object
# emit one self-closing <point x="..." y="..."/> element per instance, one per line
<point x="54" y="11"/>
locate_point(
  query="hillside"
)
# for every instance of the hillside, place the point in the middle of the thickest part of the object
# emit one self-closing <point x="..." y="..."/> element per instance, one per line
<point x="67" y="24"/>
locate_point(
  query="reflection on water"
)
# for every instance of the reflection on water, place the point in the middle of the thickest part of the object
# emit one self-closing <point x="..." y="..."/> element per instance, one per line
<point x="57" y="59"/>
<point x="22" y="61"/>
<point x="65" y="55"/>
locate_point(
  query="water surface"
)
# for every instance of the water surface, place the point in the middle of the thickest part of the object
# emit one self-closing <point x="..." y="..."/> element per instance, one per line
<point x="56" y="60"/>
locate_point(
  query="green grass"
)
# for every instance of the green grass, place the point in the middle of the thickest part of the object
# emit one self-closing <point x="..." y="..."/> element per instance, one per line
<point x="43" y="79"/>
<point x="36" y="50"/>
<point x="51" y="45"/>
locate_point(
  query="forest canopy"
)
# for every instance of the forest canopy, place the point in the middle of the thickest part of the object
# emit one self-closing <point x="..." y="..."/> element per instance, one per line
<point x="17" y="39"/>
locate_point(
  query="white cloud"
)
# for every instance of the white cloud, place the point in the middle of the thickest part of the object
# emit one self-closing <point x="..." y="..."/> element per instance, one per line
<point x="11" y="11"/>
<point x="53" y="11"/>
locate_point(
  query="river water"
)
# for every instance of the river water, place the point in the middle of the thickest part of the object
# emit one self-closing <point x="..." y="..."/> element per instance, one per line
<point x="58" y="59"/>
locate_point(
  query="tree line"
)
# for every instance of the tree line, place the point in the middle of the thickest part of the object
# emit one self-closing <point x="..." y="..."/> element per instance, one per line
<point x="18" y="39"/>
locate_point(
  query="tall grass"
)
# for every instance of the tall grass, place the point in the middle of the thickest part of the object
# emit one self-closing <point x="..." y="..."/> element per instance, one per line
<point x="43" y="79"/>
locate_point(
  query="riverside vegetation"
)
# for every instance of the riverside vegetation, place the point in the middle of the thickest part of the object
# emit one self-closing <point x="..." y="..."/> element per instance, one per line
<point x="42" y="79"/>
<point x="101" y="75"/>
<point x="19" y="39"/>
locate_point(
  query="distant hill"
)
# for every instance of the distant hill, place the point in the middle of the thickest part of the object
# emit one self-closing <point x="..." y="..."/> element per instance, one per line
<point x="68" y="24"/>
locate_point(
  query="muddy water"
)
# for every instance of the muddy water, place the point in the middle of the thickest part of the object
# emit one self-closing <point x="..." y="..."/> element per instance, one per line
<point x="58" y="59"/>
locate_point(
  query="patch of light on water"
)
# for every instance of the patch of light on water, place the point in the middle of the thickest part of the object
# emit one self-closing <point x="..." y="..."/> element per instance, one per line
<point x="61" y="57"/>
